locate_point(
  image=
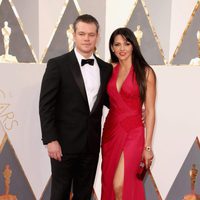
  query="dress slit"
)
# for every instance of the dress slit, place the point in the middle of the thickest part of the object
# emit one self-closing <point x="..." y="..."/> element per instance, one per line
<point x="122" y="154"/>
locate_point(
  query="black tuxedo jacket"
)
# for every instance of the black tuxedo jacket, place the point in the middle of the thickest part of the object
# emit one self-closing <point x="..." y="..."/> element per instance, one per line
<point x="63" y="107"/>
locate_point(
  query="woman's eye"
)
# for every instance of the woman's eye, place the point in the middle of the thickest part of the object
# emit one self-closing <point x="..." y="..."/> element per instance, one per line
<point x="117" y="44"/>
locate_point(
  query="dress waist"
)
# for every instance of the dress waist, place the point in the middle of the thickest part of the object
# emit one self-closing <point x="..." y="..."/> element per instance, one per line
<point x="128" y="121"/>
<point x="120" y="115"/>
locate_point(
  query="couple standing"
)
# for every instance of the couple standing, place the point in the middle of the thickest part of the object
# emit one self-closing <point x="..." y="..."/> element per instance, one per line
<point x="74" y="89"/>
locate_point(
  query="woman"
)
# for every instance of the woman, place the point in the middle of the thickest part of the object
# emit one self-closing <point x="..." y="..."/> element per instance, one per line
<point x="124" y="143"/>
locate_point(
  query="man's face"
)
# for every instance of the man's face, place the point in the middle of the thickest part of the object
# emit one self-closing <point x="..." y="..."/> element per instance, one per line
<point x="85" y="38"/>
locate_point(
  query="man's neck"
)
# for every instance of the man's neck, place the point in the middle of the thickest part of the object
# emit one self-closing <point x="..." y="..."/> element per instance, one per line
<point x="85" y="55"/>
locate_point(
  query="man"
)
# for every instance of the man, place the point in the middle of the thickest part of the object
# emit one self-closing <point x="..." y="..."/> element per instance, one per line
<point x="72" y="95"/>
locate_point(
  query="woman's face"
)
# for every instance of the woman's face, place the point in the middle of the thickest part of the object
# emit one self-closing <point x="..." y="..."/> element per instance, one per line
<point x="122" y="48"/>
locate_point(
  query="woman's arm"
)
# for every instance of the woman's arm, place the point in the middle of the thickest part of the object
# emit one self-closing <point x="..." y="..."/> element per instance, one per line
<point x="149" y="115"/>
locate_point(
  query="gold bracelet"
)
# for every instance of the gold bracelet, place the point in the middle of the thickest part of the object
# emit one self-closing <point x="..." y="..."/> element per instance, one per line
<point x="147" y="148"/>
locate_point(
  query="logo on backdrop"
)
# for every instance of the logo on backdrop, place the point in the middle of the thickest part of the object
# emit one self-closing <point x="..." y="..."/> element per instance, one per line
<point x="7" y="116"/>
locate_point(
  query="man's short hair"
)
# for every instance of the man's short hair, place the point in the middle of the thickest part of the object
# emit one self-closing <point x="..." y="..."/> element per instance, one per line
<point x="86" y="18"/>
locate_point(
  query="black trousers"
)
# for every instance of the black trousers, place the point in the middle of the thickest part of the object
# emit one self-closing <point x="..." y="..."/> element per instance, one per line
<point x="77" y="171"/>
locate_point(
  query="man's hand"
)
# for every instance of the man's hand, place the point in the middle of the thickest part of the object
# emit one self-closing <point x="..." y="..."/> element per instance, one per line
<point x="54" y="150"/>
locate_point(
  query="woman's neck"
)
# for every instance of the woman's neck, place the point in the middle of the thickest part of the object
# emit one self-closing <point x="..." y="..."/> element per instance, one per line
<point x="125" y="64"/>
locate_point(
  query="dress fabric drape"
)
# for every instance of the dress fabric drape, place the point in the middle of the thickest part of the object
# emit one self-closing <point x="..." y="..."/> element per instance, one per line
<point x="123" y="132"/>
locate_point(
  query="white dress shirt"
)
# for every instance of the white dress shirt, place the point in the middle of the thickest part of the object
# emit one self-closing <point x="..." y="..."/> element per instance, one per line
<point x="91" y="78"/>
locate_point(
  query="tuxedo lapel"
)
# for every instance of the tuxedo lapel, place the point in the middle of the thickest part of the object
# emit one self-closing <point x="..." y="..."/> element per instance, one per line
<point x="102" y="84"/>
<point x="75" y="69"/>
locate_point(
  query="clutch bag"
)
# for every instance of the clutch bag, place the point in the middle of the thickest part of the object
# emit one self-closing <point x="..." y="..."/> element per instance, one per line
<point x="141" y="170"/>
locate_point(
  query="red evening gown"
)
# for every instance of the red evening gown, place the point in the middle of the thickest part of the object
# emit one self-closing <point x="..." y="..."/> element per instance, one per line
<point x="123" y="132"/>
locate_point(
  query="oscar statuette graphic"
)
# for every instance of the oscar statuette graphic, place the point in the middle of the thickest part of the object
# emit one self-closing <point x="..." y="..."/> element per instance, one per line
<point x="193" y="175"/>
<point x="69" y="34"/>
<point x="196" y="61"/>
<point x="7" y="173"/>
<point x="138" y="34"/>
<point x="7" y="58"/>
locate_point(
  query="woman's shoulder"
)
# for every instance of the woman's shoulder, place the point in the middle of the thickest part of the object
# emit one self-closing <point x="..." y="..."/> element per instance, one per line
<point x="150" y="74"/>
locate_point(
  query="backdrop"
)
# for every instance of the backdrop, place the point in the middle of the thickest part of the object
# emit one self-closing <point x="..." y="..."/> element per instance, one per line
<point x="38" y="32"/>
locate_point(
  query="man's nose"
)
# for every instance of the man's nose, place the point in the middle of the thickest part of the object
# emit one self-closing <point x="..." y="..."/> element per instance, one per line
<point x="86" y="37"/>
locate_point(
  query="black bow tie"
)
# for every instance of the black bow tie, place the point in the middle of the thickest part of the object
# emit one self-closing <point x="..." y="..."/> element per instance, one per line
<point x="87" y="61"/>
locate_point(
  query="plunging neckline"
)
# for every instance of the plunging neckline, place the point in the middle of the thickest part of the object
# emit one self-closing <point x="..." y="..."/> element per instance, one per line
<point x="119" y="91"/>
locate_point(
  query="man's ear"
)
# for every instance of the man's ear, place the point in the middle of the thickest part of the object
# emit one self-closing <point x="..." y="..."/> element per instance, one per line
<point x="98" y="39"/>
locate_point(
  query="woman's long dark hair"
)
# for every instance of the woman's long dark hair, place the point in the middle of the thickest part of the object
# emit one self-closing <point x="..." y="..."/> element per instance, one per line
<point x="139" y="63"/>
